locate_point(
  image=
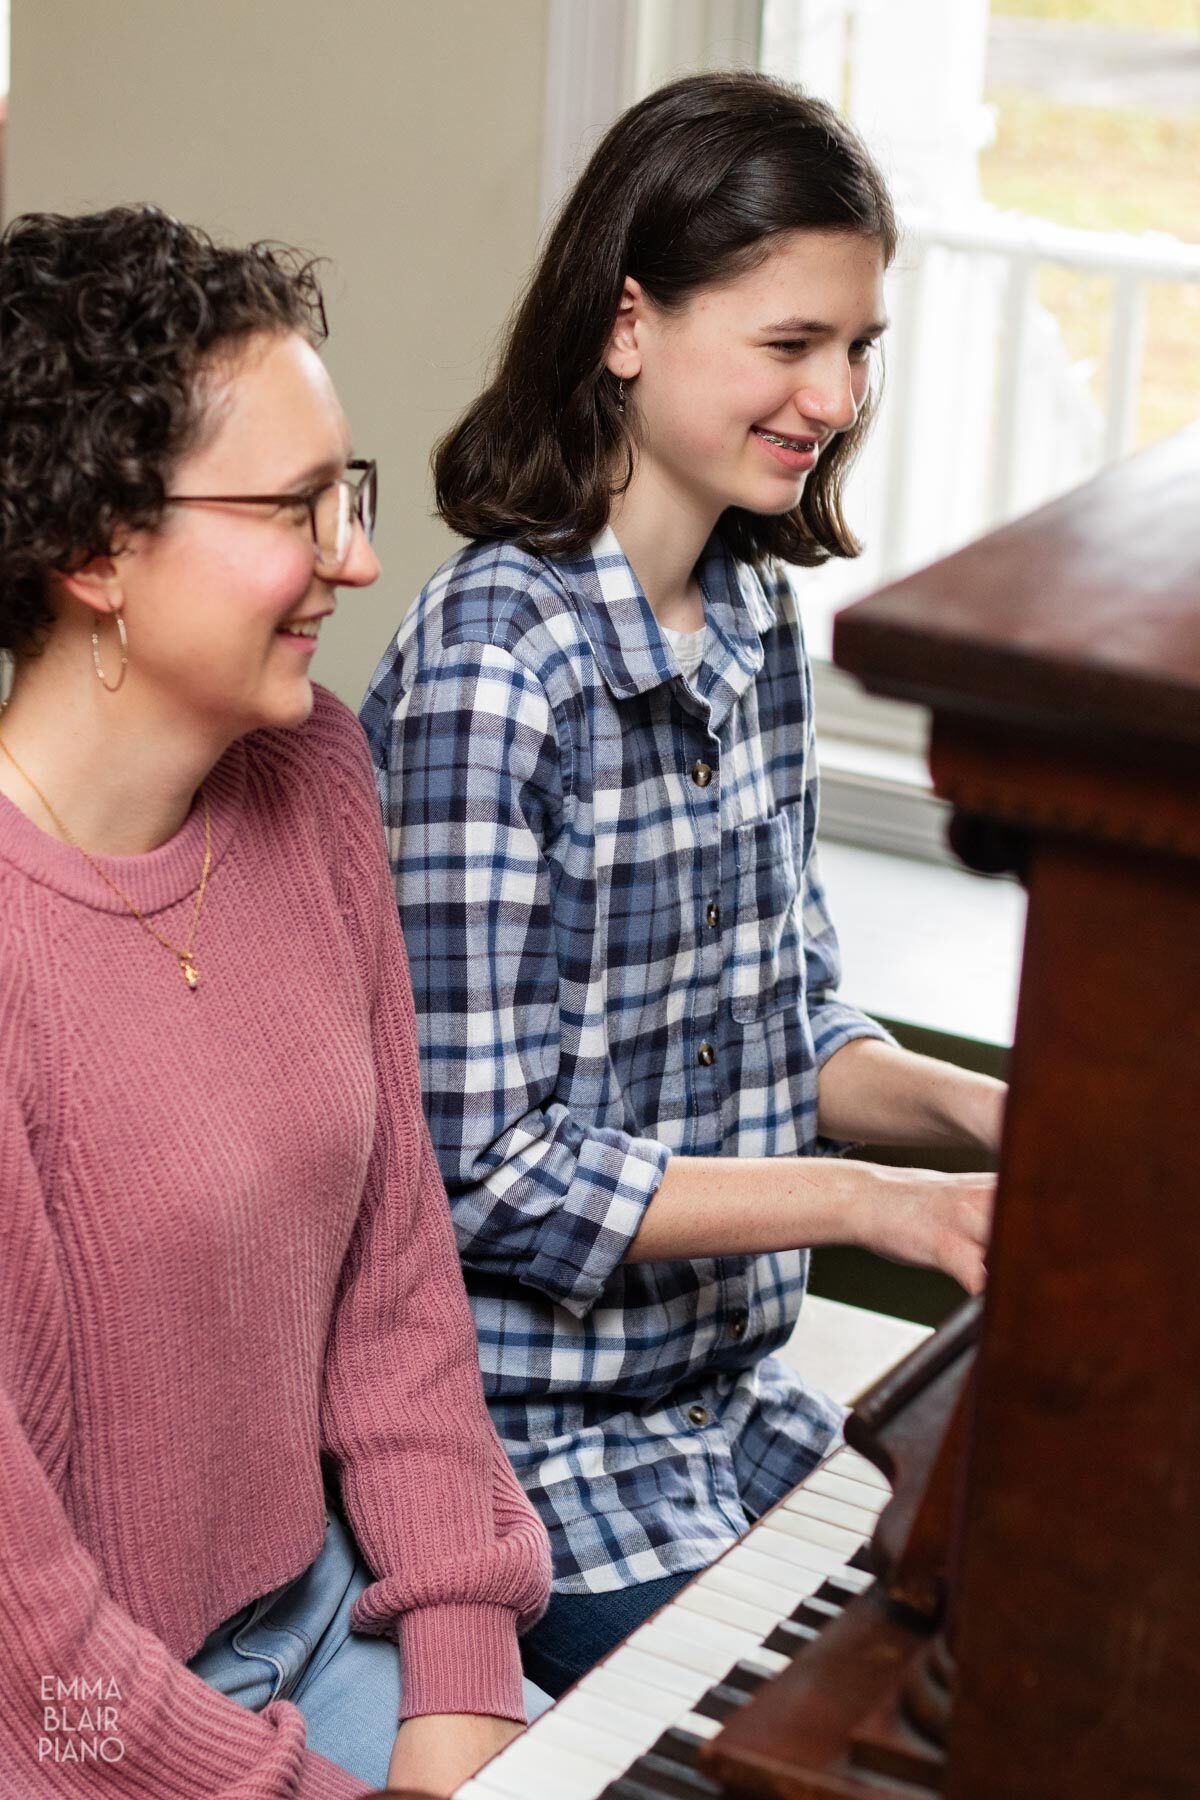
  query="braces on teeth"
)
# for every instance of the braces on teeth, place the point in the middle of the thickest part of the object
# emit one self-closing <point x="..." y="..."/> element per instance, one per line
<point x="786" y="443"/>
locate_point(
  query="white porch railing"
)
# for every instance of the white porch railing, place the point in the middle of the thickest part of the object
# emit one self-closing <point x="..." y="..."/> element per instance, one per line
<point x="985" y="414"/>
<point x="1024" y="244"/>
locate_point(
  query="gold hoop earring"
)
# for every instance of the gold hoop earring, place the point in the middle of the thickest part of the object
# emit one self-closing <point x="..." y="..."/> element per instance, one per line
<point x="110" y="687"/>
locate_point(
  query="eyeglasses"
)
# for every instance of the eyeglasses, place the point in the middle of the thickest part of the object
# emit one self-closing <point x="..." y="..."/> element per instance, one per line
<point x="332" y="511"/>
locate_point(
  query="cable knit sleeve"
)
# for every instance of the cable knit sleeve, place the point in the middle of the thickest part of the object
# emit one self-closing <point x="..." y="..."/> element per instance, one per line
<point x="462" y="1562"/>
<point x="91" y="1704"/>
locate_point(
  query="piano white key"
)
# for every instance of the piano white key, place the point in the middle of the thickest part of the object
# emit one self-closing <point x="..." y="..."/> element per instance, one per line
<point x="809" y="1505"/>
<point x="658" y="1706"/>
<point x="740" y="1585"/>
<point x="699" y="1724"/>
<point x="588" y="1707"/>
<point x="793" y="1580"/>
<point x="695" y="1629"/>
<point x="570" y="1732"/>
<point x="480" y="1788"/>
<point x="814" y="1531"/>
<point x="730" y="1609"/>
<point x="788" y="1547"/>
<point x="767" y="1662"/>
<point x="692" y="1651"/>
<point x="855" y="1493"/>
<point x="635" y="1664"/>
<point x="854" y="1467"/>
<point x="530" y="1765"/>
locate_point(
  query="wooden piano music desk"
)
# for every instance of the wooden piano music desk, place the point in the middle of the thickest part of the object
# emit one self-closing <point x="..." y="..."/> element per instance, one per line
<point x="1035" y="1631"/>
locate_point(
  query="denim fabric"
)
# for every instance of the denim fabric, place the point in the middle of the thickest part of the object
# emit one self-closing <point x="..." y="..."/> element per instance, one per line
<point x="296" y="1644"/>
<point x="576" y="1630"/>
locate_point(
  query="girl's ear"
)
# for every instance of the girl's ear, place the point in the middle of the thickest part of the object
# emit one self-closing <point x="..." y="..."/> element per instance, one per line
<point x="98" y="583"/>
<point x="624" y="356"/>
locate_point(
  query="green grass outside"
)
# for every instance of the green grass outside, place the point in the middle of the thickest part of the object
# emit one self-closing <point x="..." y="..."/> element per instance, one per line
<point x="1108" y="169"/>
<point x="1132" y="15"/>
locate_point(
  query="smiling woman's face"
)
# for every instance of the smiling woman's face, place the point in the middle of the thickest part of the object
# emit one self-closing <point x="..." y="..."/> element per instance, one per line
<point x="212" y="596"/>
<point x="739" y="392"/>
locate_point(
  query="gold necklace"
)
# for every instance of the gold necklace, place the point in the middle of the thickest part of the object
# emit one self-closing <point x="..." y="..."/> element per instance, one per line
<point x="185" y="957"/>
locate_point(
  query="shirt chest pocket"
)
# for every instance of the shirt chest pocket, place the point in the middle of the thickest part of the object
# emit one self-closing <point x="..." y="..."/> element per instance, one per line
<point x="768" y="947"/>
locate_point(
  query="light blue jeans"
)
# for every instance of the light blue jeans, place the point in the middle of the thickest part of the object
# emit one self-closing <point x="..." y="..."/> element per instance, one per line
<point x="296" y="1644"/>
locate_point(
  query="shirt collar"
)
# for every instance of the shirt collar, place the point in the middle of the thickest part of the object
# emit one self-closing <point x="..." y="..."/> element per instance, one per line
<point x="631" y="653"/>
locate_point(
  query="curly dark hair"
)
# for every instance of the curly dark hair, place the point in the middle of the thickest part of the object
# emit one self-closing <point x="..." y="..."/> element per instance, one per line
<point x="108" y="321"/>
<point x="688" y="188"/>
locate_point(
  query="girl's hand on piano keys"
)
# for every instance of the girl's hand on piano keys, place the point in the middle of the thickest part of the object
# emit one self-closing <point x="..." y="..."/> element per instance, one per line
<point x="924" y="1217"/>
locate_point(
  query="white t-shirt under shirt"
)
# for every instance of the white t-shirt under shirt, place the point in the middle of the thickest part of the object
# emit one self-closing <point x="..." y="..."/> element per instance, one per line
<point x="688" y="647"/>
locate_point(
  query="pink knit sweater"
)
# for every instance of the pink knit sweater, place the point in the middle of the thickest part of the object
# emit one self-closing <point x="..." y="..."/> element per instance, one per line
<point x="225" y="1249"/>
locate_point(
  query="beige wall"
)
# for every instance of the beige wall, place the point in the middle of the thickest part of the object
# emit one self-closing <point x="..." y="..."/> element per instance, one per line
<point x="400" y="138"/>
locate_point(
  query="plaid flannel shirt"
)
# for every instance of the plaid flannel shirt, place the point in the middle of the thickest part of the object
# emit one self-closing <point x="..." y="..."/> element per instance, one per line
<point x="620" y="951"/>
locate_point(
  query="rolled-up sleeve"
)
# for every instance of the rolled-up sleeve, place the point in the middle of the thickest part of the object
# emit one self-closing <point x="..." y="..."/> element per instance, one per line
<point x="475" y="795"/>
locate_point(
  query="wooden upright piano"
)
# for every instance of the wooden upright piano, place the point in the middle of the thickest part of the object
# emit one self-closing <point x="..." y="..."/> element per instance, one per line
<point x="1025" y="1624"/>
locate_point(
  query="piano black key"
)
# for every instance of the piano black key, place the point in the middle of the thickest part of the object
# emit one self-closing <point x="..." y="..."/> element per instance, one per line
<point x="630" y="1788"/>
<point x="846" y="1585"/>
<point x="720" y="1701"/>
<point x="816" y="1612"/>
<point x="789" y="1638"/>
<point x="746" y="1678"/>
<point x="654" y="1777"/>
<point x="626" y="1788"/>
<point x="679" y="1745"/>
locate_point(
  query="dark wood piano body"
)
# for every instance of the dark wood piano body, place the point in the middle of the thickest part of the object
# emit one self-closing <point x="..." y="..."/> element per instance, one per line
<point x="1054" y="1649"/>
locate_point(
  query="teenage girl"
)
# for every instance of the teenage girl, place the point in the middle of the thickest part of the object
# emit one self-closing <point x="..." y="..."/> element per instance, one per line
<point x="593" y="736"/>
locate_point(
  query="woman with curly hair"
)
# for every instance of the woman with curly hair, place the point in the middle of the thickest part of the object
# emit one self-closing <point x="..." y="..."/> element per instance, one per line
<point x="593" y="735"/>
<point x="226" y="1262"/>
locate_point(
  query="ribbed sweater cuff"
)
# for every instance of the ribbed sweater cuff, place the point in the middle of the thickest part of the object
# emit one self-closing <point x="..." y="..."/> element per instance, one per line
<point x="323" y="1780"/>
<point x="460" y="1659"/>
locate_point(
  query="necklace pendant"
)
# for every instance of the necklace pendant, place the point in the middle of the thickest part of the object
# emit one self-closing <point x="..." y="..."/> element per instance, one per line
<point x="191" y="973"/>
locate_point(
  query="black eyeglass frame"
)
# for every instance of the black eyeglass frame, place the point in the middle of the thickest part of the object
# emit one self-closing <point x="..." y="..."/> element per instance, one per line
<point x="364" y="495"/>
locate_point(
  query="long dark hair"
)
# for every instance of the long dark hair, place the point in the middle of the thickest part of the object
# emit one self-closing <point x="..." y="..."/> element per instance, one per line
<point x="688" y="188"/>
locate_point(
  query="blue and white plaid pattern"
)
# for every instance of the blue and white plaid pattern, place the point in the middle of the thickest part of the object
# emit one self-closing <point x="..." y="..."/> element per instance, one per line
<point x="620" y="950"/>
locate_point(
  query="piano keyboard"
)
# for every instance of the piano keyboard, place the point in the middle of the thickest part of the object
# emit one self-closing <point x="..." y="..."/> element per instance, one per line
<point x="630" y="1729"/>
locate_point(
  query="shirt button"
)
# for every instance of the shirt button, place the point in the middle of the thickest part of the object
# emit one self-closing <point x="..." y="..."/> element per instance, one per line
<point x="738" y="1324"/>
<point x="706" y="1056"/>
<point x="701" y="774"/>
<point x="697" y="1415"/>
<point x="713" y="914"/>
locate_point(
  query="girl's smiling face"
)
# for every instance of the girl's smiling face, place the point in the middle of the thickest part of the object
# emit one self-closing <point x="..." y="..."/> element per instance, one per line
<point x="736" y="394"/>
<point x="223" y="601"/>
